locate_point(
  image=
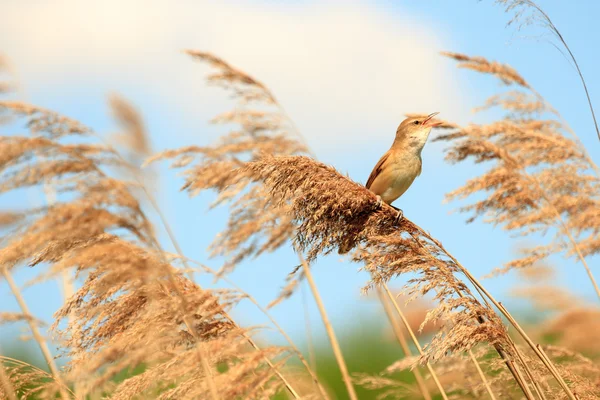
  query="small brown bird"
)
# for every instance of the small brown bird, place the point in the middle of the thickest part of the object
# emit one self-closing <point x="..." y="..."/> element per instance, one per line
<point x="398" y="168"/>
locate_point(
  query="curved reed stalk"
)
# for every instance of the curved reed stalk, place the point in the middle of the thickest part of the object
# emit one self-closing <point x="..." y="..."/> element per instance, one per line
<point x="35" y="332"/>
<point x="545" y="20"/>
<point x="337" y="351"/>
<point x="292" y="180"/>
<point x="133" y="305"/>
<point x="131" y="120"/>
<point x="402" y="340"/>
<point x="416" y="342"/>
<point x="294" y="348"/>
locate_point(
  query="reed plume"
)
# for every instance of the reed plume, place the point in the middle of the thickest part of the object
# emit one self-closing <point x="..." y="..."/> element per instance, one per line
<point x="133" y="308"/>
<point x="322" y="212"/>
<point x="541" y="179"/>
<point x="137" y="311"/>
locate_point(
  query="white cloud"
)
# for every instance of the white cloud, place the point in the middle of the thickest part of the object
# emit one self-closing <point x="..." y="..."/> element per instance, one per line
<point x="345" y="72"/>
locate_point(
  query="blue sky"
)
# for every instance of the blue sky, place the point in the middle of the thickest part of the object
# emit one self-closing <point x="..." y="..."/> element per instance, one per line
<point x="346" y="72"/>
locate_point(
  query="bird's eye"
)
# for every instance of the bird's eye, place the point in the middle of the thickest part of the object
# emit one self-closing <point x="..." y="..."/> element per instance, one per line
<point x="416" y="122"/>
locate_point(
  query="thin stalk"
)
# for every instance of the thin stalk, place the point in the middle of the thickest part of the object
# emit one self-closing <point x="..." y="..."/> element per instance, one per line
<point x="190" y="327"/>
<point x="503" y="310"/>
<point x="287" y="337"/>
<point x="562" y="40"/>
<point x="482" y="375"/>
<point x="403" y="343"/>
<point x="415" y="341"/>
<point x="523" y="382"/>
<point x="536" y="386"/>
<point x="35" y="331"/>
<point x="509" y="364"/>
<point x="328" y="327"/>
<point x="309" y="339"/>
<point x="179" y="251"/>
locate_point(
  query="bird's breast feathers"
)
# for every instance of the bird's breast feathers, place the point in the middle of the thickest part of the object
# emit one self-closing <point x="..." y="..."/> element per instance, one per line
<point x="395" y="177"/>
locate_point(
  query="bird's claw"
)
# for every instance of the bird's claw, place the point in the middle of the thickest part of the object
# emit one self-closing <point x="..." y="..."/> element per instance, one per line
<point x="379" y="201"/>
<point x="400" y="215"/>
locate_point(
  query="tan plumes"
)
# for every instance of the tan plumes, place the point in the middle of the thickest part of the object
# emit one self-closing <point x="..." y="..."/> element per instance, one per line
<point x="29" y="381"/>
<point x="539" y="179"/>
<point x="517" y="102"/>
<point x="9" y="218"/>
<point x="582" y="372"/>
<point x="505" y="72"/>
<point x="264" y="129"/>
<point x="331" y="212"/>
<point x="576" y="329"/>
<point x="245" y="87"/>
<point x="8" y="317"/>
<point x="133" y="308"/>
<point x="128" y="313"/>
<point x="41" y="120"/>
<point x="128" y="117"/>
<point x="389" y="387"/>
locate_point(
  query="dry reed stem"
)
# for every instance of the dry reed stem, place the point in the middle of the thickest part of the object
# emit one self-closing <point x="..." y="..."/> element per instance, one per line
<point x="328" y="328"/>
<point x="127" y="116"/>
<point x="35" y="331"/>
<point x="179" y="251"/>
<point x="308" y="332"/>
<point x="536" y="385"/>
<point x="403" y="343"/>
<point x="535" y="347"/>
<point x="282" y="174"/>
<point x="501" y="352"/>
<point x="415" y="340"/>
<point x="545" y="20"/>
<point x="310" y="369"/>
<point x="113" y="195"/>
<point x="482" y="375"/>
<point x="537" y="350"/>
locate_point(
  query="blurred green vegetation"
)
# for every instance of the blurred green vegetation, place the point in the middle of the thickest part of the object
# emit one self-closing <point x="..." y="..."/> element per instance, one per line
<point x="367" y="342"/>
<point x="368" y="347"/>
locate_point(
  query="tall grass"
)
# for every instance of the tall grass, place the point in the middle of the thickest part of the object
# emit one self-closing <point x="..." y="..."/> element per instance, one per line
<point x="137" y="308"/>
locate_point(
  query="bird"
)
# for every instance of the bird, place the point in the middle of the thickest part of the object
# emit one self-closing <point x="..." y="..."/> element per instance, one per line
<point x="401" y="164"/>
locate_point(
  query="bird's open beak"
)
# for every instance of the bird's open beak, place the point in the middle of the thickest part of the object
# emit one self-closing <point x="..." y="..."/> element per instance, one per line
<point x="428" y="121"/>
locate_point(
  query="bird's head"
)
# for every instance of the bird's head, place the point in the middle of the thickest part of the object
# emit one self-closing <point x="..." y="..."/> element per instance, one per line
<point x="414" y="131"/>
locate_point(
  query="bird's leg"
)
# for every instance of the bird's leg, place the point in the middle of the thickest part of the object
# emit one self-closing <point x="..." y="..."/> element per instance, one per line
<point x="379" y="201"/>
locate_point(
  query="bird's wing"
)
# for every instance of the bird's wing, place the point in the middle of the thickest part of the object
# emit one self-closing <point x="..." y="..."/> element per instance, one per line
<point x="378" y="168"/>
